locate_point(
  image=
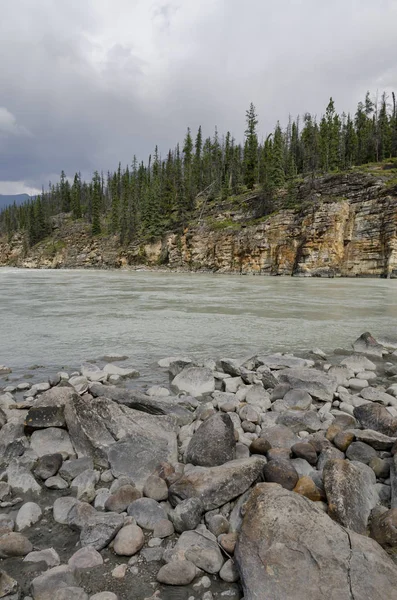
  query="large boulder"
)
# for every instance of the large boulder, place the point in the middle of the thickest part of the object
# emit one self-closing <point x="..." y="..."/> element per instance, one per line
<point x="289" y="549"/>
<point x="377" y="417"/>
<point x="213" y="443"/>
<point x="108" y="432"/>
<point x="316" y="383"/>
<point x="196" y="381"/>
<point x="367" y="344"/>
<point x="49" y="408"/>
<point x="351" y="493"/>
<point x="217" y="485"/>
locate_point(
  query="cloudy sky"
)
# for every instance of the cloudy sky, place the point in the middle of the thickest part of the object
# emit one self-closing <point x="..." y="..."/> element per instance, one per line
<point x="86" y="83"/>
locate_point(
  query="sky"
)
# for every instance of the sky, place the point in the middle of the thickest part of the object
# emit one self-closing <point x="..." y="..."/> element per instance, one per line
<point x="85" y="84"/>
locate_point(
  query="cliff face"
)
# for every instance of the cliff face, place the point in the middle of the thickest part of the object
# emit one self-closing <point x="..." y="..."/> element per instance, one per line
<point x="346" y="225"/>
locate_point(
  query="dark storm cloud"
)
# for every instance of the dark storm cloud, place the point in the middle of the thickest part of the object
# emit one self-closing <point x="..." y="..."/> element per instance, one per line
<point x="86" y="84"/>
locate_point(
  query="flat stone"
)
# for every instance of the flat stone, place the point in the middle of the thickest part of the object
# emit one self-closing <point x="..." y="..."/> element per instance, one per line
<point x="146" y="512"/>
<point x="361" y="452"/>
<point x="51" y="441"/>
<point x="46" y="585"/>
<point x="100" y="530"/>
<point x="279" y="436"/>
<point x="297" y="420"/>
<point x="80" y="384"/>
<point x="72" y="468"/>
<point x="357" y="363"/>
<point x="316" y="383"/>
<point x="49" y="556"/>
<point x="195" y="381"/>
<point x="375" y="395"/>
<point x="84" y="559"/>
<point x="70" y="593"/>
<point x="377" y="440"/>
<point x="216" y="486"/>
<point x="293" y="400"/>
<point x="307" y="555"/>
<point x="104" y="596"/>
<point x="20" y="478"/>
<point x="56" y="483"/>
<point x="375" y="416"/>
<point x="257" y="396"/>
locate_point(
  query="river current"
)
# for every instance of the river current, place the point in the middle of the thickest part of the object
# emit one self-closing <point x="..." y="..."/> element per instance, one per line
<point x="62" y="318"/>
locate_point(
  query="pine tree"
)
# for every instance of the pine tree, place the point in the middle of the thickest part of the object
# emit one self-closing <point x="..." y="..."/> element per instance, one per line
<point x="64" y="189"/>
<point x="76" y="197"/>
<point x="251" y="149"/>
<point x="96" y="204"/>
<point x="277" y="162"/>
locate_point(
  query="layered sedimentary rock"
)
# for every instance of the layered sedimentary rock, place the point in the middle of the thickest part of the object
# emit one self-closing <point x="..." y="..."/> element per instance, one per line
<point x="343" y="225"/>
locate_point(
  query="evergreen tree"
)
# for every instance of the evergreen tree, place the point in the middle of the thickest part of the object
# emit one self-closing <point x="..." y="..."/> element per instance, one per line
<point x="251" y="149"/>
<point x="76" y="197"/>
<point x="96" y="204"/>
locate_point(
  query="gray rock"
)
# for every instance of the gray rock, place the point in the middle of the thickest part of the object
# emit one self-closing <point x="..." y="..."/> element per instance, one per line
<point x="14" y="544"/>
<point x="187" y="514"/>
<point x="293" y="400"/>
<point x="155" y="488"/>
<point x="56" y="483"/>
<point x="279" y="361"/>
<point x="100" y="530"/>
<point x="45" y="586"/>
<point x="376" y="417"/>
<point x="201" y="539"/>
<point x="49" y="556"/>
<point x="48" y="466"/>
<point x="298" y="420"/>
<point x="104" y="596"/>
<point x="122" y="498"/>
<point x="377" y="440"/>
<point x="357" y="363"/>
<point x="258" y="397"/>
<point x="51" y="441"/>
<point x="327" y="454"/>
<point x="80" y="384"/>
<point x="282" y="472"/>
<point x="163" y="528"/>
<point x="366" y="344"/>
<point x="20" y="478"/>
<point x="72" y="468"/>
<point x="351" y="493"/>
<point x="279" y="436"/>
<point x="62" y="508"/>
<point x="217" y="524"/>
<point x="85" y="558"/>
<point x="70" y="593"/>
<point x="307" y="555"/>
<point x="9" y="588"/>
<point x="195" y="381"/>
<point x="213" y="443"/>
<point x="229" y="572"/>
<point x="383" y="528"/>
<point x="84" y="485"/>
<point x="179" y="572"/>
<point x="316" y="383"/>
<point x="124" y="372"/>
<point x="209" y="560"/>
<point x="146" y="512"/>
<point x="375" y="395"/>
<point x="361" y="452"/>
<point x="129" y="540"/>
<point x="217" y="485"/>
<point x="29" y="514"/>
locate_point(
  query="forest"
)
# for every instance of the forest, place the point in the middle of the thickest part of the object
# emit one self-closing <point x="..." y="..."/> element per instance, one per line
<point x="143" y="200"/>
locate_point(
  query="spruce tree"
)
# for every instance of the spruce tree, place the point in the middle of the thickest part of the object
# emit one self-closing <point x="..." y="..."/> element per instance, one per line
<point x="251" y="149"/>
<point x="96" y="204"/>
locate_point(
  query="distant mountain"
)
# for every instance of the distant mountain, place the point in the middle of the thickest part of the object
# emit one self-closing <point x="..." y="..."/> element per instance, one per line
<point x="7" y="200"/>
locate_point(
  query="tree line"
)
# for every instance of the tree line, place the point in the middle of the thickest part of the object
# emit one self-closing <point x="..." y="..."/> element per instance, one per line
<point x="143" y="200"/>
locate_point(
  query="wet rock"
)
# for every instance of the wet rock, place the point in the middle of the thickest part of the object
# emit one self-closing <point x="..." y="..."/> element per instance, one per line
<point x="213" y="443"/>
<point x="85" y="558"/>
<point x="217" y="485"/>
<point x="72" y="468"/>
<point x="376" y="417"/>
<point x="307" y="555"/>
<point x="49" y="556"/>
<point x="383" y="528"/>
<point x="51" y="441"/>
<point x="178" y="572"/>
<point x="306" y="451"/>
<point x="29" y="514"/>
<point x="195" y="381"/>
<point x="282" y="472"/>
<point x="316" y="383"/>
<point x="14" y="544"/>
<point x="351" y="493"/>
<point x="155" y="488"/>
<point x="48" y="466"/>
<point x="187" y="514"/>
<point x="361" y="452"/>
<point x="129" y="540"/>
<point x="146" y="512"/>
<point x="123" y="372"/>
<point x="45" y="586"/>
<point x="122" y="498"/>
<point x="367" y="344"/>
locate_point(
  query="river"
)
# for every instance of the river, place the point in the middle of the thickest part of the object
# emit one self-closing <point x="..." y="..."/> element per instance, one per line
<point x="61" y="318"/>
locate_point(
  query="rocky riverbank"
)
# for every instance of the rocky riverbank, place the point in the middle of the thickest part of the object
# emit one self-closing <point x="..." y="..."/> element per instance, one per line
<point x="272" y="477"/>
<point x="337" y="225"/>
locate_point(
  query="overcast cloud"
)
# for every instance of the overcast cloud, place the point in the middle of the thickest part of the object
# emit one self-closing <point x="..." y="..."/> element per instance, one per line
<point x="86" y="83"/>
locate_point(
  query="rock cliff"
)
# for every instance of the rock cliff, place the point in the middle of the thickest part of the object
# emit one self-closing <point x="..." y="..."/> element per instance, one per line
<point x="340" y="225"/>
